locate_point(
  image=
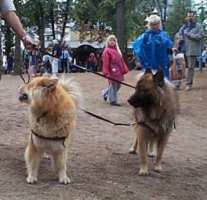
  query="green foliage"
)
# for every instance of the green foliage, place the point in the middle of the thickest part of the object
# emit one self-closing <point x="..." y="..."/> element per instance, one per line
<point x="103" y="12"/>
<point x="93" y="12"/>
<point x="19" y="7"/>
<point x="177" y="16"/>
<point x="136" y="12"/>
<point x="34" y="10"/>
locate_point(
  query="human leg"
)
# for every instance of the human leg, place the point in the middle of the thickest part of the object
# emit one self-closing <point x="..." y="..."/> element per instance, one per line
<point x="190" y="73"/>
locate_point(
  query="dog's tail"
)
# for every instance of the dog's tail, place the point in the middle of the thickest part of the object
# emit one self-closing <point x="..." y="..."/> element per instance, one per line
<point x="72" y="87"/>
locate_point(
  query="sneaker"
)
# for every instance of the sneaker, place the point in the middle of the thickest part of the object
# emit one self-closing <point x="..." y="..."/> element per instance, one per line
<point x="104" y="94"/>
<point x="177" y="87"/>
<point x="188" y="88"/>
<point x="105" y="98"/>
<point x="115" y="104"/>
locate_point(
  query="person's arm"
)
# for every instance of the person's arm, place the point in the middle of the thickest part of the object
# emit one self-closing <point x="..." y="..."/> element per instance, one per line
<point x="180" y="33"/>
<point x="7" y="10"/>
<point x="106" y="63"/>
<point x="198" y="35"/>
<point x="139" y="51"/>
<point x="13" y="20"/>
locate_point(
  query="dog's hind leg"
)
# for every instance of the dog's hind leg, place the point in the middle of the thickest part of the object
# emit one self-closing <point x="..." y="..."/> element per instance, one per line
<point x="133" y="148"/>
<point x="160" y="149"/>
<point x="142" y="140"/>
<point x="60" y="160"/>
<point x="32" y="158"/>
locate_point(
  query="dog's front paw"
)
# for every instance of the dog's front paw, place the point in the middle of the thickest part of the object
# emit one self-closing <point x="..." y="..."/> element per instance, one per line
<point x="64" y="180"/>
<point x="158" y="168"/>
<point x="143" y="171"/>
<point x="31" y="179"/>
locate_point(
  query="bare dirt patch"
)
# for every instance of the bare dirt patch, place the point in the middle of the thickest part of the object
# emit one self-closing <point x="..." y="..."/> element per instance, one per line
<point x="99" y="164"/>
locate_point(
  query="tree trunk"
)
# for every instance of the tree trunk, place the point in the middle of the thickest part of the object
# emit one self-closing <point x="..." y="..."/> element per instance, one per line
<point x="18" y="57"/>
<point x="65" y="17"/>
<point x="165" y="10"/>
<point x="41" y="29"/>
<point x="9" y="40"/>
<point x="120" y="23"/>
<point x="52" y="18"/>
<point x="159" y="7"/>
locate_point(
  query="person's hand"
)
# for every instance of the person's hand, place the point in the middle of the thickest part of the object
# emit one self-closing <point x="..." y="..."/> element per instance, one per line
<point x="187" y="34"/>
<point x="29" y="42"/>
<point x="174" y="49"/>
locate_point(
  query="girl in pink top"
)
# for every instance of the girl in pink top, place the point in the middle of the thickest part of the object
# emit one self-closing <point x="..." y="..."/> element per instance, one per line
<point x="113" y="67"/>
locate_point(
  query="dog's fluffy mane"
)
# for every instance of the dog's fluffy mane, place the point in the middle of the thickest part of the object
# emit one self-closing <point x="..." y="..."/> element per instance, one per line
<point x="72" y="87"/>
<point x="49" y="100"/>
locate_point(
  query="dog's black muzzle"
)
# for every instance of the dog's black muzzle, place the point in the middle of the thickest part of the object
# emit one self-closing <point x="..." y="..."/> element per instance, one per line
<point x="140" y="101"/>
<point x="133" y="101"/>
<point x="23" y="97"/>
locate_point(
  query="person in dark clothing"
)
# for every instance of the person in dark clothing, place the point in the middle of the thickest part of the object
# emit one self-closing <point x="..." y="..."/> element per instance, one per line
<point x="10" y="63"/>
<point x="92" y="62"/>
<point x="65" y="58"/>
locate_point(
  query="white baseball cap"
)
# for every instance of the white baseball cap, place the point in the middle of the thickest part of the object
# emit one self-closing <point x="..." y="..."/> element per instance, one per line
<point x="153" y="19"/>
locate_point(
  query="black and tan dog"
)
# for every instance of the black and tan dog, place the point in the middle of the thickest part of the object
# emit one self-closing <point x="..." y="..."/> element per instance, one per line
<point x="155" y="106"/>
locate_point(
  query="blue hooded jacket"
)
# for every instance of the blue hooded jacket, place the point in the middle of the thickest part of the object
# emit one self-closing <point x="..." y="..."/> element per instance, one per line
<point x="152" y="48"/>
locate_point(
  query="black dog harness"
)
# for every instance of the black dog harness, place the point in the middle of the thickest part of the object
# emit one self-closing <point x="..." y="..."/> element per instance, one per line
<point x="49" y="138"/>
<point x="144" y="125"/>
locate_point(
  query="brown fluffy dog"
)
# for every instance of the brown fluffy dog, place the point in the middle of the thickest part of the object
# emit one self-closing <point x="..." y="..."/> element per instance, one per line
<point x="155" y="107"/>
<point x="52" y="115"/>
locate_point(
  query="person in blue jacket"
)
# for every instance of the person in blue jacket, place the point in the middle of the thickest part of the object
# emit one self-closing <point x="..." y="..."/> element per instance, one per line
<point x="152" y="47"/>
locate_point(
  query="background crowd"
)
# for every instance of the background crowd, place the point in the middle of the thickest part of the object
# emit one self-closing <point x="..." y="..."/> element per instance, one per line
<point x="58" y="58"/>
<point x="154" y="49"/>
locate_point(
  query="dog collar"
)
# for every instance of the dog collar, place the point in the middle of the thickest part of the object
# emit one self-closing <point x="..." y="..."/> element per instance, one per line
<point x="48" y="138"/>
<point x="144" y="125"/>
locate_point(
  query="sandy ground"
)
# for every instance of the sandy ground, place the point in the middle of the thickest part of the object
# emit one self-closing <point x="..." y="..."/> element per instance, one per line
<point x="99" y="164"/>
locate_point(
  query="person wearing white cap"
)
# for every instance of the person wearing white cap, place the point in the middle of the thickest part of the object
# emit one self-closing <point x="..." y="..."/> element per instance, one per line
<point x="152" y="47"/>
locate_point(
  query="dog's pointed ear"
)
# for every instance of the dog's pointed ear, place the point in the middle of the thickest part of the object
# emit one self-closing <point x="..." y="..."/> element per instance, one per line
<point x="148" y="71"/>
<point x="50" y="85"/>
<point x="159" y="78"/>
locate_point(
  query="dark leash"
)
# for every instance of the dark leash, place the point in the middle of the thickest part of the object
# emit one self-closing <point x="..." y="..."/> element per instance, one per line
<point x="23" y="79"/>
<point x="97" y="73"/>
<point x="87" y="112"/>
<point x="102" y="75"/>
<point x="106" y="120"/>
<point x="22" y="76"/>
<point x="144" y="125"/>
